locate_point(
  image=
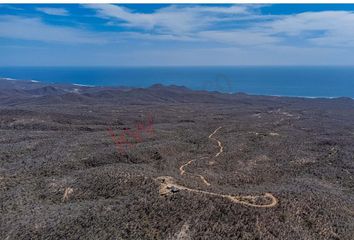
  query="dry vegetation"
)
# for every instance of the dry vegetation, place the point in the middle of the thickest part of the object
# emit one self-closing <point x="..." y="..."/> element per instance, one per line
<point x="61" y="176"/>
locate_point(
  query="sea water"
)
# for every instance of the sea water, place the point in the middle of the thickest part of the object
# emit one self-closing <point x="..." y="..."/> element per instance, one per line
<point x="324" y="81"/>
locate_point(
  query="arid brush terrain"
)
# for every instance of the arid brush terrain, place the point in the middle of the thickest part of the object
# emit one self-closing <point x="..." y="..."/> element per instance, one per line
<point x="207" y="165"/>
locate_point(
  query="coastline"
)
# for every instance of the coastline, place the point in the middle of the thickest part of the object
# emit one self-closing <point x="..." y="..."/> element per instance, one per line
<point x="116" y="87"/>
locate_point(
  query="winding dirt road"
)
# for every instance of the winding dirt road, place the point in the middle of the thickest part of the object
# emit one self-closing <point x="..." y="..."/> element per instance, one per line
<point x="219" y="143"/>
<point x="168" y="184"/>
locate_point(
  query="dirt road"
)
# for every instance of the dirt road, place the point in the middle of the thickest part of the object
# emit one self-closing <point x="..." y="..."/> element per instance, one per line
<point x="168" y="184"/>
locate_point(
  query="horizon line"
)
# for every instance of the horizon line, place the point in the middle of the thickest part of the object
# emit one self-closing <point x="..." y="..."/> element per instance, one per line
<point x="167" y="66"/>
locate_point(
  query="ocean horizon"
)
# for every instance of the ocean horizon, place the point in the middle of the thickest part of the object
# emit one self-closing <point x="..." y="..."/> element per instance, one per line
<point x="299" y="81"/>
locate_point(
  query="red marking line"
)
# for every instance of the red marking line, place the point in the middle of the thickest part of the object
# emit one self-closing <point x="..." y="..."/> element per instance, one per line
<point x="136" y="134"/>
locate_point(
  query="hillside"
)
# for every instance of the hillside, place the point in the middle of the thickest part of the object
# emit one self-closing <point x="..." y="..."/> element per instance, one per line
<point x="167" y="162"/>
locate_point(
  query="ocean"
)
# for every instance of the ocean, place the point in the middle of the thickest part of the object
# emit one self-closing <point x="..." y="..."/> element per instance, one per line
<point x="278" y="81"/>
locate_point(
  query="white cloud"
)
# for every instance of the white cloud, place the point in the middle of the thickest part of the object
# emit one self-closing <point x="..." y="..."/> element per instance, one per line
<point x="34" y="29"/>
<point x="239" y="37"/>
<point x="157" y="37"/>
<point x="54" y="11"/>
<point x="188" y="23"/>
<point x="270" y="55"/>
<point x="235" y="25"/>
<point x="205" y="23"/>
<point x="172" y="19"/>
<point x="175" y="22"/>
<point x="328" y="28"/>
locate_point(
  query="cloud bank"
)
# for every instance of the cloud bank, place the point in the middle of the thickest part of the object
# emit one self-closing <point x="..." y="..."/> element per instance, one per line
<point x="179" y="31"/>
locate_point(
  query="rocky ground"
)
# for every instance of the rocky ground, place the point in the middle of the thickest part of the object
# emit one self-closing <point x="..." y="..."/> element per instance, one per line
<point x="63" y="176"/>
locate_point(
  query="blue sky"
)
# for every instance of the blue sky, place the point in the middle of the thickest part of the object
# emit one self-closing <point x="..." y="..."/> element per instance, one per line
<point x="168" y="35"/>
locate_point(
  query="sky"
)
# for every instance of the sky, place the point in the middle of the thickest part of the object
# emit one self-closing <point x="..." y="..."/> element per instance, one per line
<point x="176" y="35"/>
